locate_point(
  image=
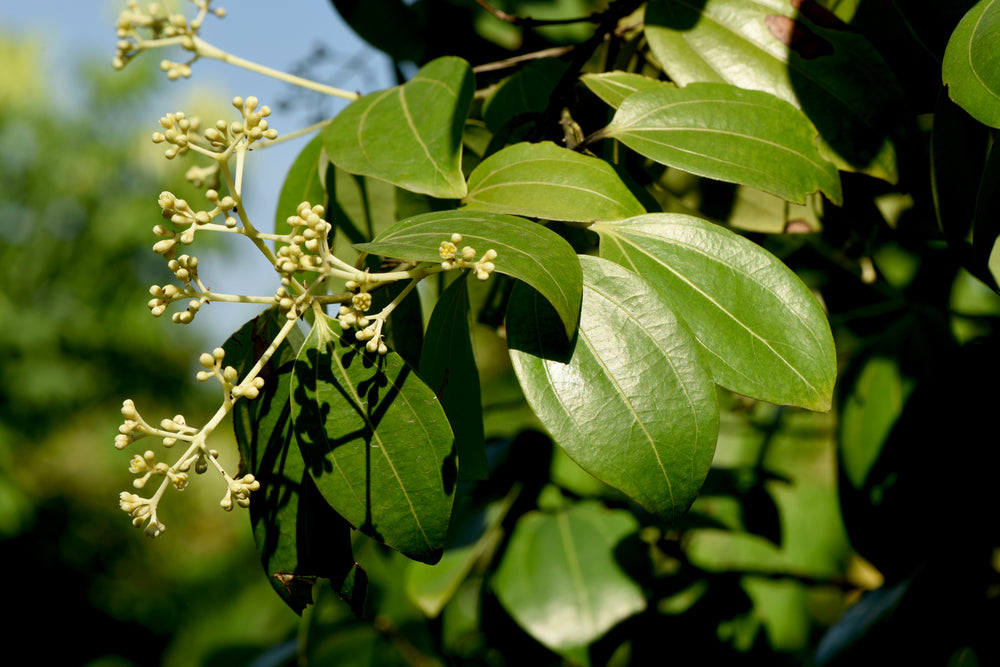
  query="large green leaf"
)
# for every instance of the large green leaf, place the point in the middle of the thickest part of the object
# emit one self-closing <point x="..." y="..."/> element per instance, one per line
<point x="525" y="250"/>
<point x="448" y="366"/>
<point x="547" y="181"/>
<point x="410" y="135"/>
<point x="971" y="67"/>
<point x="635" y="405"/>
<point x="299" y="537"/>
<point x="729" y="134"/>
<point x="560" y="579"/>
<point x="793" y="50"/>
<point x="376" y="442"/>
<point x="767" y="335"/>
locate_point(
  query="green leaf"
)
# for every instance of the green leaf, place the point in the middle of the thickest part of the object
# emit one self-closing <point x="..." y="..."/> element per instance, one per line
<point x="766" y="334"/>
<point x="304" y="182"/>
<point x="971" y="67"/>
<point x="550" y="182"/>
<point x="410" y="135"/>
<point x="729" y="134"/>
<point x="299" y="537"/>
<point x="376" y="441"/>
<point x="448" y="366"/>
<point x="614" y="87"/>
<point x="525" y="250"/>
<point x="560" y="579"/>
<point x="635" y="405"/>
<point x="797" y="52"/>
<point x="360" y="208"/>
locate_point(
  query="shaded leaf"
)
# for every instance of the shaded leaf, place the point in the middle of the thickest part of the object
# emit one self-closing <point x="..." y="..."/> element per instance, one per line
<point x="559" y="577"/>
<point x="448" y="366"/>
<point x="729" y="134"/>
<point x="299" y="537"/>
<point x="526" y="91"/>
<point x="654" y="433"/>
<point x="547" y="181"/>
<point x="796" y="51"/>
<point x="971" y="67"/>
<point x="376" y="442"/>
<point x="766" y="334"/>
<point x="410" y="135"/>
<point x="525" y="250"/>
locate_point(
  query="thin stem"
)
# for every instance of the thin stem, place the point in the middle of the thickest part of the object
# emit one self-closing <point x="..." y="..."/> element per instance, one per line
<point x="529" y="22"/>
<point x="206" y="50"/>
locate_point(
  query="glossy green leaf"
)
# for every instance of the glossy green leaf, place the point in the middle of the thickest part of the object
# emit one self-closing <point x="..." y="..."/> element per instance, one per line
<point x="560" y="579"/>
<point x="525" y="250"/>
<point x="304" y="182"/>
<point x="376" y="442"/>
<point x="410" y="135"/>
<point x="654" y="432"/>
<point x="299" y="537"/>
<point x="729" y="134"/>
<point x="971" y="67"/>
<point x="766" y="334"/>
<point x="796" y="51"/>
<point x="550" y="182"/>
<point x="614" y="87"/>
<point x="448" y="366"/>
<point x="528" y="90"/>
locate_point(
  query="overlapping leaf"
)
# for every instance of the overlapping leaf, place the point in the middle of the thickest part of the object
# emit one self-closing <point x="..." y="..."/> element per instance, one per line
<point x="547" y="181"/>
<point x="376" y="442"/>
<point x="304" y="182"/>
<point x="971" y="66"/>
<point x="300" y="538"/>
<point x="796" y="51"/>
<point x="766" y="334"/>
<point x="729" y="134"/>
<point x="410" y="135"/>
<point x="635" y="405"/>
<point x="525" y="250"/>
<point x="559" y="577"/>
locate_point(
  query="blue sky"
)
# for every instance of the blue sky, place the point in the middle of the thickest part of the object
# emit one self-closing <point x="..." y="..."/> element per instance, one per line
<point x="253" y="29"/>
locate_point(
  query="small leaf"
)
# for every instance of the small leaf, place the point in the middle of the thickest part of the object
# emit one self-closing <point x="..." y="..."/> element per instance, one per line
<point x="304" y="182"/>
<point x="654" y="432"/>
<point x="376" y="442"/>
<point x="410" y="135"/>
<point x="766" y="334"/>
<point x="560" y="579"/>
<point x="448" y="366"/>
<point x="546" y="181"/>
<point x="729" y="134"/>
<point x="971" y="67"/>
<point x="798" y="52"/>
<point x="525" y="250"/>
<point x="614" y="87"/>
<point x="299" y="537"/>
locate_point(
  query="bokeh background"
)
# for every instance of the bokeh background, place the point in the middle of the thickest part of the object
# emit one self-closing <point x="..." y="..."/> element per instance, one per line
<point x="79" y="180"/>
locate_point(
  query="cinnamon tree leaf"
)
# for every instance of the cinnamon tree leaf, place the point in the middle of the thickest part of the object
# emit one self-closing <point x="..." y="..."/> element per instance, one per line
<point x="729" y="134"/>
<point x="971" y="66"/>
<point x="796" y="51"/>
<point x="654" y="434"/>
<point x="547" y="181"/>
<point x="375" y="440"/>
<point x="410" y="135"/>
<point x="614" y="87"/>
<point x="766" y="334"/>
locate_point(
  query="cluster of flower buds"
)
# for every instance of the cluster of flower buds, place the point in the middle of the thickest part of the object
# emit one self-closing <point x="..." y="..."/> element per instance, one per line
<point x="177" y="129"/>
<point x="453" y="258"/>
<point x="239" y="491"/>
<point x="212" y="363"/>
<point x="253" y="127"/>
<point x="140" y="28"/>
<point x="133" y="428"/>
<point x="146" y="465"/>
<point x="142" y="511"/>
<point x="354" y="316"/>
<point x="307" y="241"/>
